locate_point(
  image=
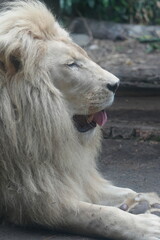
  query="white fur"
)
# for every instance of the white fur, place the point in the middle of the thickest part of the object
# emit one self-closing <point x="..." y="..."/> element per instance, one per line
<point x="48" y="172"/>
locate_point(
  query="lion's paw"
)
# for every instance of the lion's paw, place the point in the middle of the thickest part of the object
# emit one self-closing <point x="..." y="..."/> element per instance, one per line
<point x="142" y="203"/>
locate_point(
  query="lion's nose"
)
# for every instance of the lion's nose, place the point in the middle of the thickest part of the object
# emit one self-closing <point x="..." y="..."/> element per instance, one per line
<point x="112" y="87"/>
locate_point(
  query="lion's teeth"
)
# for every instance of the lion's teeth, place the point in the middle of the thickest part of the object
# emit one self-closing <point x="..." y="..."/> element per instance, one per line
<point x="90" y="118"/>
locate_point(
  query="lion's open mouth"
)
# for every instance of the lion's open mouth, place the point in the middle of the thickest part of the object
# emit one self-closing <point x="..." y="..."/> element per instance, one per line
<point x="84" y="123"/>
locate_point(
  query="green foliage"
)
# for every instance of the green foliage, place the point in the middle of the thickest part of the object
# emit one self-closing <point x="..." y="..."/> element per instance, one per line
<point x="132" y="11"/>
<point x="153" y="44"/>
<point x="153" y="47"/>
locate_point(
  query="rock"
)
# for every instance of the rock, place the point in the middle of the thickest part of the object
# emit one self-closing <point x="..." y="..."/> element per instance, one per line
<point x="120" y="132"/>
<point x="133" y="118"/>
<point x="113" y="31"/>
<point x="81" y="39"/>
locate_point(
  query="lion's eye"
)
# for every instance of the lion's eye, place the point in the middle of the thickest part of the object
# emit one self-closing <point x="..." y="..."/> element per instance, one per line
<point x="73" y="64"/>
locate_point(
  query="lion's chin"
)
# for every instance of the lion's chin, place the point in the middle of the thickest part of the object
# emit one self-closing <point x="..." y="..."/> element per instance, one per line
<point x="85" y="123"/>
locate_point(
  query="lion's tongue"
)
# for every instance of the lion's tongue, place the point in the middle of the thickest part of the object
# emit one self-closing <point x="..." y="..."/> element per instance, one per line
<point x="100" y="118"/>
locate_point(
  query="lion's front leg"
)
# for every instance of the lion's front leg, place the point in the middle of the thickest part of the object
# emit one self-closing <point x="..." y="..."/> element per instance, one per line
<point x="115" y="196"/>
<point x="111" y="222"/>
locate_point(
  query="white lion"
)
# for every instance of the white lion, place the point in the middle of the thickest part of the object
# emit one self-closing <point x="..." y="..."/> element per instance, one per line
<point x="52" y="101"/>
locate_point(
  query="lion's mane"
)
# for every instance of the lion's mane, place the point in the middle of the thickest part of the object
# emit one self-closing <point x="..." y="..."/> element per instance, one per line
<point x="44" y="162"/>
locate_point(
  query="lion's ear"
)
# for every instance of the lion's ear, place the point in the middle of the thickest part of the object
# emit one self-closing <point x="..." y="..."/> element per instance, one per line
<point x="10" y="64"/>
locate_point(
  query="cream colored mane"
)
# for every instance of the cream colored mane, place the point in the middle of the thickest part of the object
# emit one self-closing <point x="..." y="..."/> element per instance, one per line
<point x="35" y="127"/>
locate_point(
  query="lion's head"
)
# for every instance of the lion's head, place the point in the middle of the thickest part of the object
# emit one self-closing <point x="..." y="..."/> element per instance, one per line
<point x="87" y="88"/>
<point x="38" y="57"/>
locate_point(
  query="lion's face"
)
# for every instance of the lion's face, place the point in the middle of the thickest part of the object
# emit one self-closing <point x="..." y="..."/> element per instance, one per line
<point x="37" y="47"/>
<point x="87" y="88"/>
